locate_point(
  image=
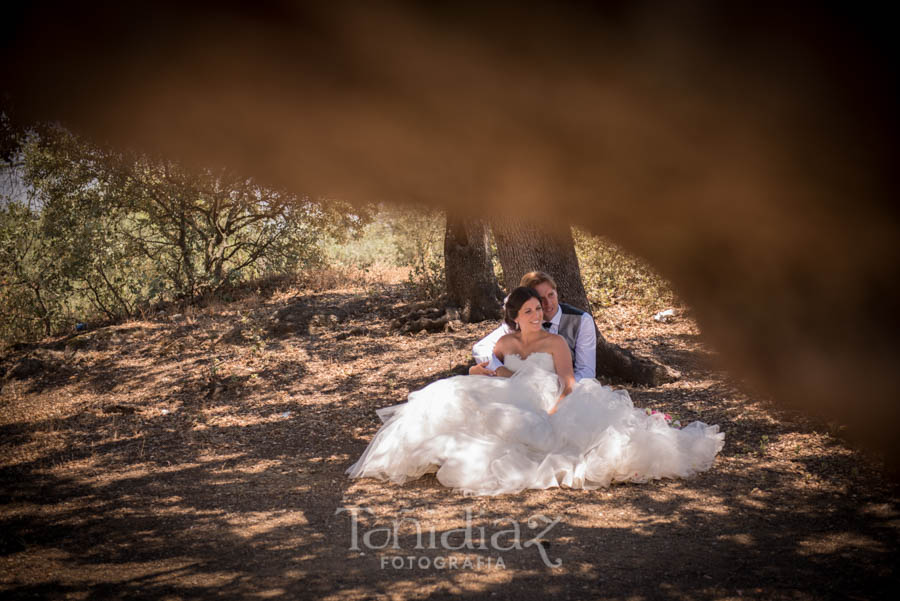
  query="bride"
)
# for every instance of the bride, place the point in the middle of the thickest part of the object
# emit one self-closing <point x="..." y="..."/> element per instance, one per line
<point x="531" y="426"/>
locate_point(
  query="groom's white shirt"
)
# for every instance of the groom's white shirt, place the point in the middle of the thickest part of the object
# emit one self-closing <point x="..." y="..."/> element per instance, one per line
<point x="585" y="345"/>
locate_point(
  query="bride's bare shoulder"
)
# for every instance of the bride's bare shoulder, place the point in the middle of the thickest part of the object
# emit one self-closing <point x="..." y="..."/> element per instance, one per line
<point x="557" y="343"/>
<point x="512" y="336"/>
<point x="507" y="342"/>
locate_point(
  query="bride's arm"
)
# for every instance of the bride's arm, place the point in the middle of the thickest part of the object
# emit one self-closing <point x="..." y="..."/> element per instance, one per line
<point x="562" y="361"/>
<point x="503" y="372"/>
<point x="500" y="350"/>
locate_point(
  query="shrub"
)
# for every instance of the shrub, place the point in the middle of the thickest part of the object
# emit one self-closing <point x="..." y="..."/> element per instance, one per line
<point x="611" y="274"/>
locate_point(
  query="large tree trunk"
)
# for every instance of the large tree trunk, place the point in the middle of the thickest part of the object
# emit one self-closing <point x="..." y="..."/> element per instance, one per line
<point x="525" y="247"/>
<point x="471" y="285"/>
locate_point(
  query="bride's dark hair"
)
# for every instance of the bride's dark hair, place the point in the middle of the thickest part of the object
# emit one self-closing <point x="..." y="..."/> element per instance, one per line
<point x="514" y="302"/>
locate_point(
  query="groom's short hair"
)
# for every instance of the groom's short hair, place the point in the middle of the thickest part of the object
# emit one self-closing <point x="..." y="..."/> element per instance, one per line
<point x="534" y="278"/>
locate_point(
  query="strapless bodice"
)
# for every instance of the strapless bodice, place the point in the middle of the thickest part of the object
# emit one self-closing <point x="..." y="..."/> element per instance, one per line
<point x="541" y="360"/>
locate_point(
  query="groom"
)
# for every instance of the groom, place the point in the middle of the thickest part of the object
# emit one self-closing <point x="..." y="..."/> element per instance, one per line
<point x="574" y="325"/>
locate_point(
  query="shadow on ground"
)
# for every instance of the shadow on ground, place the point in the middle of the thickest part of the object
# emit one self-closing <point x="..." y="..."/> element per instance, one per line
<point x="242" y="493"/>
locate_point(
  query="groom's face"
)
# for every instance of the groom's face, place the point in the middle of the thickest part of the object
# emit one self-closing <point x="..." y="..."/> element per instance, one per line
<point x="549" y="299"/>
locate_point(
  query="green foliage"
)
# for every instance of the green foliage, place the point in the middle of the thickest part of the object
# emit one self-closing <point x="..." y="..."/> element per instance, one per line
<point x="427" y="278"/>
<point x="495" y="256"/>
<point x="87" y="233"/>
<point x="32" y="289"/>
<point x="398" y="237"/>
<point x="610" y="274"/>
<point x="373" y="244"/>
<point x="419" y="239"/>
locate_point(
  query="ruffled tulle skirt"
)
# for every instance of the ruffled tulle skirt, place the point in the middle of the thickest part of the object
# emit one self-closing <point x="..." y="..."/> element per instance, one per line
<point x="489" y="436"/>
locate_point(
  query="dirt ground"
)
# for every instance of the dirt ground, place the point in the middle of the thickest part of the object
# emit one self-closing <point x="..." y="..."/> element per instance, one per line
<point x="201" y="454"/>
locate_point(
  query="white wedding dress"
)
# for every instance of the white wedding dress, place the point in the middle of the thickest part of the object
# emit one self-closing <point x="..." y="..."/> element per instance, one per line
<point x="491" y="435"/>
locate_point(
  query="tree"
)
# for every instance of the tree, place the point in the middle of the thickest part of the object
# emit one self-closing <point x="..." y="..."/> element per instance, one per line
<point x="463" y="288"/>
<point x="87" y="231"/>
<point x="35" y="262"/>
<point x="524" y="247"/>
<point x="471" y="285"/>
<point x="206" y="228"/>
<point x="32" y="286"/>
<point x="200" y="230"/>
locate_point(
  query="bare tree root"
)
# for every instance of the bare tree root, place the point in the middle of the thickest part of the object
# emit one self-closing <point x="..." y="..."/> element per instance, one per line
<point x="615" y="361"/>
<point x="429" y="316"/>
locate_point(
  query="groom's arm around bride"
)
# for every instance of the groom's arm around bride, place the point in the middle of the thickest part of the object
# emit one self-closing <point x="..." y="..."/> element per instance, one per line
<point x="574" y="325"/>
